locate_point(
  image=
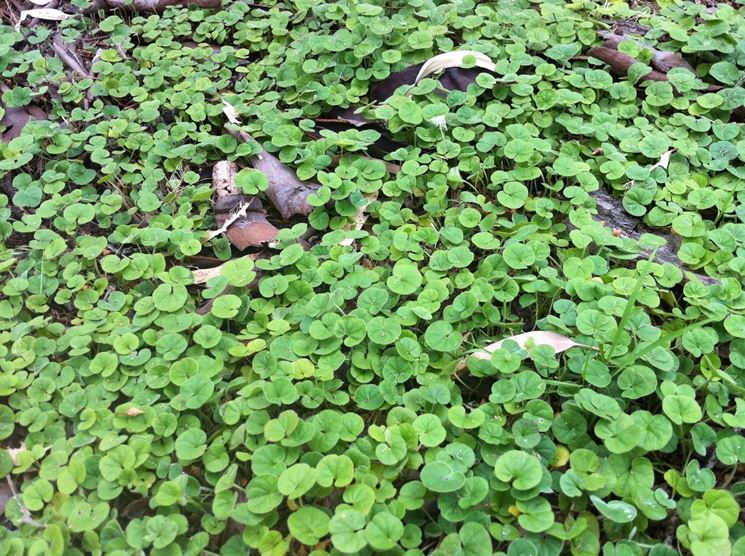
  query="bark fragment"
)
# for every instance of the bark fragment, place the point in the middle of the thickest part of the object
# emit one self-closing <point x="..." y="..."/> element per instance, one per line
<point x="610" y="211"/>
<point x="241" y="217"/>
<point x="620" y="63"/>
<point x="662" y="60"/>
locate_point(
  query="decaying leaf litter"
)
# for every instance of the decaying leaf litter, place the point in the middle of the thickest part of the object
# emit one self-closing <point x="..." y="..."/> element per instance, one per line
<point x="473" y="280"/>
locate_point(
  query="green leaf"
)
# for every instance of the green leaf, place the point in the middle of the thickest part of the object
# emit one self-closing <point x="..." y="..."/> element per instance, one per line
<point x="615" y="510"/>
<point x="441" y="476"/>
<point x="308" y="525"/>
<point x="296" y="480"/>
<point x="347" y="528"/>
<point x="384" y="531"/>
<point x="191" y="444"/>
<point x="522" y="470"/>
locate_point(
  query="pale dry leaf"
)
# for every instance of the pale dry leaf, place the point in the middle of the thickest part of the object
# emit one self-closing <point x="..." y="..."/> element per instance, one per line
<point x="240" y="213"/>
<point x="47" y="14"/>
<point x="359" y="219"/>
<point x="664" y="161"/>
<point x="13" y="452"/>
<point x="230" y="113"/>
<point x="453" y="60"/>
<point x="202" y="275"/>
<point x="40" y="2"/>
<point x="536" y="338"/>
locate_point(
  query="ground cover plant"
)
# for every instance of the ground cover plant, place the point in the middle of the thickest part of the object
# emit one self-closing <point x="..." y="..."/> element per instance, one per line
<point x="278" y="278"/>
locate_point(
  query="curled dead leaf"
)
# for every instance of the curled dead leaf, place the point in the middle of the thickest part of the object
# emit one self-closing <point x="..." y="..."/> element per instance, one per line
<point x="134" y="412"/>
<point x="454" y="59"/>
<point x="247" y="226"/>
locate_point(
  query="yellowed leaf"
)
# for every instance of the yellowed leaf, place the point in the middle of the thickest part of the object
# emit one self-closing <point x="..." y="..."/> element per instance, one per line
<point x="453" y="60"/>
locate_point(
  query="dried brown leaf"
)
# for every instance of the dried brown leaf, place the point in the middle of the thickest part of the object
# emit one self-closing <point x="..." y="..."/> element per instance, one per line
<point x="240" y="212"/>
<point x="16" y="117"/>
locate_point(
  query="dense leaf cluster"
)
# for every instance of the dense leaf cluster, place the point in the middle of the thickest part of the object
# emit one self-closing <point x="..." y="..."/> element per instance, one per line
<point x="320" y="399"/>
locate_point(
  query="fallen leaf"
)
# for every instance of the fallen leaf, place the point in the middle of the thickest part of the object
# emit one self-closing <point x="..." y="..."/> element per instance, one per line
<point x="245" y="228"/>
<point x="5" y="496"/>
<point x="47" y="14"/>
<point x="13" y="452"/>
<point x="202" y="275"/>
<point x="664" y="161"/>
<point x="15" y="117"/>
<point x="160" y="5"/>
<point x="359" y="219"/>
<point x="453" y="60"/>
<point x="536" y="338"/>
<point x="453" y="77"/>
<point x="68" y="55"/>
<point x="40" y="2"/>
<point x="230" y="113"/>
